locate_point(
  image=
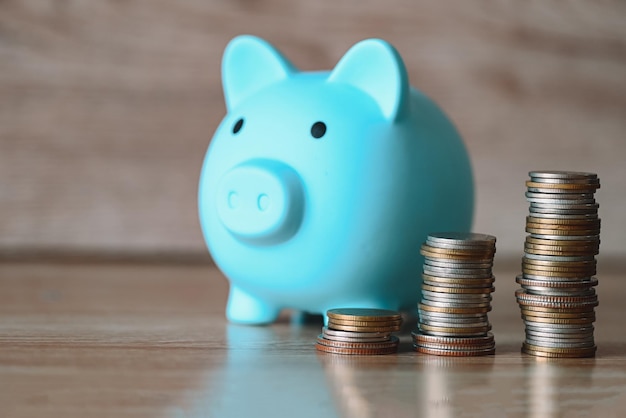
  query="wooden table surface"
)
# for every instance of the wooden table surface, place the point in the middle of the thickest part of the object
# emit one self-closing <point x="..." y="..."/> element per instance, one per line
<point x="150" y="340"/>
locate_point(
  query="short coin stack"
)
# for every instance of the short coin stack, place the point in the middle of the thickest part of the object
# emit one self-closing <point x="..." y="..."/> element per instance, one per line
<point x="557" y="298"/>
<point x="456" y="295"/>
<point x="359" y="331"/>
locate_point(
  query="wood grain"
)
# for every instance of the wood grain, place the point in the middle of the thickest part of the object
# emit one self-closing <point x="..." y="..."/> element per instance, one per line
<point x="108" y="106"/>
<point x="132" y="340"/>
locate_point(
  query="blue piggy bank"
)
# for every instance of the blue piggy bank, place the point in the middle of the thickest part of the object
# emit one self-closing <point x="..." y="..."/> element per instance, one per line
<point x="319" y="187"/>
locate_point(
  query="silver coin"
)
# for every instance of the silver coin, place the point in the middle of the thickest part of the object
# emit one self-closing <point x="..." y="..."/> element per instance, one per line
<point x="562" y="338"/>
<point x="454" y="264"/>
<point x="556" y="211"/>
<point x="445" y="322"/>
<point x="449" y="324"/>
<point x="469" y="247"/>
<point x="462" y="238"/>
<point x="453" y="316"/>
<point x="583" y="272"/>
<point x="457" y="273"/>
<point x="357" y="339"/>
<point x="541" y="343"/>
<point x="529" y="321"/>
<point x="572" y="329"/>
<point x="457" y="297"/>
<point x="454" y="304"/>
<point x="552" y="338"/>
<point x="555" y="278"/>
<point x="563" y="175"/>
<point x="457" y="285"/>
<point x="566" y="237"/>
<point x="559" y="203"/>
<point x="583" y="336"/>
<point x="558" y="257"/>
<point x="376" y="336"/>
<point x="563" y="196"/>
<point x="557" y="291"/>
<point x="467" y="331"/>
<point x="591" y="216"/>
<point x="456" y="320"/>
<point x="463" y="302"/>
<point x="451" y="334"/>
<point x="583" y="184"/>
<point x="486" y="296"/>
<point x="589" y="190"/>
<point x="575" y="283"/>
<point x="574" y="263"/>
<point x="590" y="252"/>
<point x="455" y="270"/>
<point x="565" y="206"/>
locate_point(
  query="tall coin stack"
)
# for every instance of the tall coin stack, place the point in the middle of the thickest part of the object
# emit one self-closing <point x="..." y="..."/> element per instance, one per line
<point x="557" y="297"/>
<point x="359" y="331"/>
<point x="456" y="295"/>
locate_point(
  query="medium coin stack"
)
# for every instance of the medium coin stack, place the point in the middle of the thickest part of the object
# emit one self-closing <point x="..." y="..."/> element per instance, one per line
<point x="557" y="297"/>
<point x="456" y="295"/>
<point x="359" y="331"/>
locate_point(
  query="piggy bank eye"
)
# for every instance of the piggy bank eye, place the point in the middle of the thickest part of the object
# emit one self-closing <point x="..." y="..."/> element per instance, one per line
<point x="318" y="130"/>
<point x="238" y="125"/>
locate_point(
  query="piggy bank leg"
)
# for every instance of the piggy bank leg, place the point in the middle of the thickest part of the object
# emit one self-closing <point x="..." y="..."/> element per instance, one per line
<point x="244" y="308"/>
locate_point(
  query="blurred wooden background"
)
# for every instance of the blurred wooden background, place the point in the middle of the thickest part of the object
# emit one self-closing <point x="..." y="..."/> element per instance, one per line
<point x="107" y="107"/>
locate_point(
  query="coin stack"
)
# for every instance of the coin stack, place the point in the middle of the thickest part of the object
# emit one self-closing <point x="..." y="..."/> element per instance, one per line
<point x="360" y="331"/>
<point x="557" y="298"/>
<point x="456" y="295"/>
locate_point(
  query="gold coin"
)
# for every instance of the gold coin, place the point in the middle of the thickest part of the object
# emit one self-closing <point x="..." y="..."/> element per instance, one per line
<point x="467" y="341"/>
<point x="451" y="310"/>
<point x="470" y="290"/>
<point x="559" y="350"/>
<point x="486" y="282"/>
<point x="562" y="242"/>
<point x="556" y="263"/>
<point x="454" y="353"/>
<point x="564" y="186"/>
<point x="557" y="355"/>
<point x="576" y="321"/>
<point x="364" y="314"/>
<point x="453" y="347"/>
<point x="562" y="248"/>
<point x="546" y="225"/>
<point x="466" y="252"/>
<point x="579" y="232"/>
<point x="454" y="330"/>
<point x="358" y="323"/>
<point x="559" y="315"/>
<point x="558" y="221"/>
<point x="575" y="270"/>
<point x="552" y="266"/>
<point x="393" y="342"/>
<point x="455" y="256"/>
<point x="546" y="310"/>
<point x="562" y="253"/>
<point x="342" y="327"/>
<point x="356" y="351"/>
<point x="569" y="275"/>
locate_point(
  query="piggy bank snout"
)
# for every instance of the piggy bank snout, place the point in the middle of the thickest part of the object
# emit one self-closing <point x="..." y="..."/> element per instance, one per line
<point x="261" y="202"/>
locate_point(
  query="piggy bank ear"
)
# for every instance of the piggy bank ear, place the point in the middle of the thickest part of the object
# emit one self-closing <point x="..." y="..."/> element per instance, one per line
<point x="250" y="63"/>
<point x="375" y="67"/>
